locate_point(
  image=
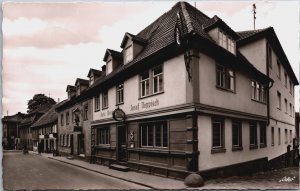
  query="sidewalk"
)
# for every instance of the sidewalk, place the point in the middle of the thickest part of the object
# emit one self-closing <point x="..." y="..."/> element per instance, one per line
<point x="147" y="180"/>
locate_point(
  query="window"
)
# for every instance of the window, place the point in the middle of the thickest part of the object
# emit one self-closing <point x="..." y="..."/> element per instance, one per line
<point x="67" y="140"/>
<point x="279" y="136"/>
<point x="109" y="67"/>
<point x="291" y="136"/>
<point x="67" y="118"/>
<point x="291" y="86"/>
<point x="78" y="90"/>
<point x="120" y="94"/>
<point x="70" y="139"/>
<point x="226" y="42"/>
<point x="145" y="84"/>
<point x="105" y="99"/>
<point x="285" y="79"/>
<point x="151" y="84"/>
<point x="85" y="112"/>
<point x="225" y="78"/>
<point x="103" y="136"/>
<point x="263" y="134"/>
<point x="97" y="103"/>
<point x="231" y="45"/>
<point x="258" y="92"/>
<point x="128" y="54"/>
<point x="285" y="136"/>
<point x="285" y="104"/>
<point x="154" y="134"/>
<point x="222" y="40"/>
<point x="291" y="108"/>
<point x="278" y="100"/>
<point x="269" y="56"/>
<point x="217" y="133"/>
<point x="253" y="135"/>
<point x="62" y="119"/>
<point x="63" y="141"/>
<point x="272" y="136"/>
<point x="91" y="79"/>
<point x="236" y="134"/>
<point x="278" y="69"/>
<point x="157" y="80"/>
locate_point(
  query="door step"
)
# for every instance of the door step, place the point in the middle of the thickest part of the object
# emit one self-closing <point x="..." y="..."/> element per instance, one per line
<point x="119" y="167"/>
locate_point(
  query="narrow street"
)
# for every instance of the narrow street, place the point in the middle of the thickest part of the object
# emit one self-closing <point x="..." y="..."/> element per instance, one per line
<point x="37" y="172"/>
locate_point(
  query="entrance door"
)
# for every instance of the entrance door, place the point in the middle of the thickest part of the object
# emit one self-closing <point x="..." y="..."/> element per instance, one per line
<point x="122" y="143"/>
<point x="81" y="143"/>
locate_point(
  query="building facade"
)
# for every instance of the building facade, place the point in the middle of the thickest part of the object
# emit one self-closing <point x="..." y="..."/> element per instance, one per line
<point x="74" y="117"/>
<point x="11" y="131"/>
<point x="186" y="94"/>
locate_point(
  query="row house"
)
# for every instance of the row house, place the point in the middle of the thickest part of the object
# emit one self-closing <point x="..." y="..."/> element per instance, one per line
<point x="74" y="117"/>
<point x="11" y="131"/>
<point x="25" y="126"/>
<point x="186" y="94"/>
<point x="44" y="131"/>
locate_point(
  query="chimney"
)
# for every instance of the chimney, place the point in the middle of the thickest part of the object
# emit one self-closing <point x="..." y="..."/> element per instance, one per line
<point x="58" y="100"/>
<point x="103" y="68"/>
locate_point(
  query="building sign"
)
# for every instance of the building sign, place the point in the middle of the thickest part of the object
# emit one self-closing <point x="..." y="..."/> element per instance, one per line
<point x="144" y="105"/>
<point x="118" y="114"/>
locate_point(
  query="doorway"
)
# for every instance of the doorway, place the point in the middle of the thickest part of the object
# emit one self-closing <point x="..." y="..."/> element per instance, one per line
<point x="122" y="143"/>
<point x="81" y="144"/>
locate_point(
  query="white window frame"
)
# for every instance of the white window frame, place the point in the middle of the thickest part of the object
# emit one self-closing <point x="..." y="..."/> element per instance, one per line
<point x="144" y="83"/>
<point x="128" y="54"/>
<point x="120" y="94"/>
<point x="156" y="78"/>
<point x="97" y="102"/>
<point x="238" y="125"/>
<point x="105" y="99"/>
<point x="163" y="139"/>
<point x="225" y="78"/>
<point x="221" y="124"/>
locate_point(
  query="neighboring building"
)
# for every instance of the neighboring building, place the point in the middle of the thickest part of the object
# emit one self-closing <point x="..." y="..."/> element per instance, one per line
<point x="44" y="131"/>
<point x="74" y="116"/>
<point x="10" y="136"/>
<point x="25" y="125"/>
<point x="297" y="120"/>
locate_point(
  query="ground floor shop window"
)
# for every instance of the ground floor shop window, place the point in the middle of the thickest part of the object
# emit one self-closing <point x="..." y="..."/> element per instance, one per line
<point x="103" y="136"/>
<point x="154" y="134"/>
<point x="253" y="135"/>
<point x="217" y="134"/>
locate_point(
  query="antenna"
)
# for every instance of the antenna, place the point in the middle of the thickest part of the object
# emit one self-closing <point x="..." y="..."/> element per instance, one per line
<point x="254" y="13"/>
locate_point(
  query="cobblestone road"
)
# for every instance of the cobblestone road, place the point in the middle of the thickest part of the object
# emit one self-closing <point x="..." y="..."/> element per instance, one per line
<point x="287" y="178"/>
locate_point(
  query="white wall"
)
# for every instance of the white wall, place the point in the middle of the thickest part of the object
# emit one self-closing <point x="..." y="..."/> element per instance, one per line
<point x="174" y="74"/>
<point x="211" y="95"/>
<point x="207" y="160"/>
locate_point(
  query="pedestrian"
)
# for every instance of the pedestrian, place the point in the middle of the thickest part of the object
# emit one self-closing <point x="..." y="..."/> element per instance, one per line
<point x="288" y="156"/>
<point x="39" y="148"/>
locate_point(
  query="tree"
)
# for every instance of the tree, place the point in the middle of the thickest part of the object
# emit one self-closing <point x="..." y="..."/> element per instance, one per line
<point x="39" y="101"/>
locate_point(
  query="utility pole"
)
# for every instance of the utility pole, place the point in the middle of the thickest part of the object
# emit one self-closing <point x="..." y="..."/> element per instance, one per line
<point x="254" y="13"/>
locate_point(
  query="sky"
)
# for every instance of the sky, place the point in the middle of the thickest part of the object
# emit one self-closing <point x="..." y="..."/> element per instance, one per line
<point x="46" y="46"/>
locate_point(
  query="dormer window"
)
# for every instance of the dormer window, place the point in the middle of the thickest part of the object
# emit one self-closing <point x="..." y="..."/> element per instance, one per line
<point x="128" y="54"/>
<point x="92" y="79"/>
<point x="109" y="67"/>
<point x="78" y="89"/>
<point x="226" y="42"/>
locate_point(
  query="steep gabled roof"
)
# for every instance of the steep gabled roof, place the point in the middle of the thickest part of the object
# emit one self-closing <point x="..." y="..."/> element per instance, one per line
<point x="134" y="38"/>
<point x="70" y="88"/>
<point x="49" y="117"/>
<point x="13" y="118"/>
<point x="247" y="37"/>
<point x="217" y="22"/>
<point x="113" y="53"/>
<point x="82" y="81"/>
<point x="95" y="72"/>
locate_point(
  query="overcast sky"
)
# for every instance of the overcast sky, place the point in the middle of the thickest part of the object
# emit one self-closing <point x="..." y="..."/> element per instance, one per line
<point x="46" y="46"/>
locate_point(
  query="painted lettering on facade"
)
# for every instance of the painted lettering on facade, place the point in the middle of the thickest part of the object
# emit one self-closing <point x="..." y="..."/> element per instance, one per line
<point x="106" y="113"/>
<point x="144" y="105"/>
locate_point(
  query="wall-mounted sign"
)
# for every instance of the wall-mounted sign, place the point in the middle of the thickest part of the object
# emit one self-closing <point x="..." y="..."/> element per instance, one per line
<point x="118" y="114"/>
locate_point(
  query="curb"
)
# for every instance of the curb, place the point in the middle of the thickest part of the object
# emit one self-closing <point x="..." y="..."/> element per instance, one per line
<point x="138" y="183"/>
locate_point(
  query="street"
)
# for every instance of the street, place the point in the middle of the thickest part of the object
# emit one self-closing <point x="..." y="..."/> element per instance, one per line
<point x="36" y="172"/>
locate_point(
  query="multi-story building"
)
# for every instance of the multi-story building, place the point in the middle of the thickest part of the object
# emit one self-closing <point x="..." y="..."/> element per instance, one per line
<point x="10" y="131"/>
<point x="74" y="116"/>
<point x="189" y="94"/>
<point x="186" y="94"/>
<point x="44" y="131"/>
